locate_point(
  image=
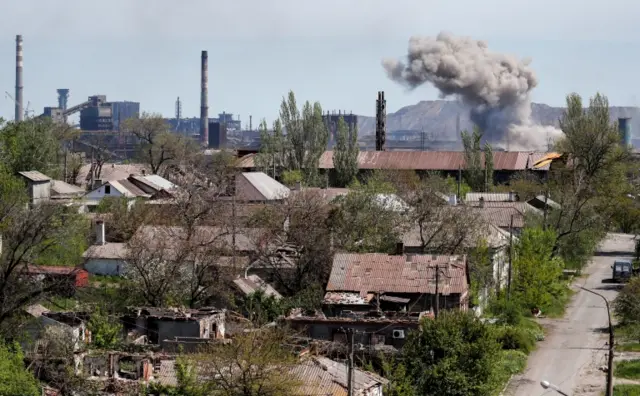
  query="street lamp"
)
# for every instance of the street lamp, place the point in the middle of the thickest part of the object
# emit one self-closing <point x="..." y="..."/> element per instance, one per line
<point x="609" y="391"/>
<point x="549" y="385"/>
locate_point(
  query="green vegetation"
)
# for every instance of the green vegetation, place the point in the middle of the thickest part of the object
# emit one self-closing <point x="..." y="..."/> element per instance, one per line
<point x="479" y="161"/>
<point x="629" y="369"/>
<point x="456" y="354"/>
<point x="345" y="153"/>
<point x="15" y="379"/>
<point x="106" y="333"/>
<point x="626" y="390"/>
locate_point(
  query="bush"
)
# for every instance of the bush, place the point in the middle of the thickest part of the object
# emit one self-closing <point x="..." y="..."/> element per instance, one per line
<point x="627" y="305"/>
<point x="515" y="338"/>
<point x="629" y="369"/>
<point x="508" y="312"/>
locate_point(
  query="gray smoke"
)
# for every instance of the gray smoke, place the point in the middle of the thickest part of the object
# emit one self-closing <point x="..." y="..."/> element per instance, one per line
<point x="495" y="86"/>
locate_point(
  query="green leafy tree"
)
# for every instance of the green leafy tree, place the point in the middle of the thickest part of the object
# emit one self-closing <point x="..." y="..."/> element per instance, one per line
<point x="15" y="379"/>
<point x="536" y="272"/>
<point x="292" y="178"/>
<point x="488" y="166"/>
<point x="261" y="308"/>
<point x="345" y="153"/>
<point x="481" y="271"/>
<point x="589" y="181"/>
<point x="453" y="355"/>
<point x="362" y="222"/>
<point x="474" y="173"/>
<point x="304" y="140"/>
<point x="105" y="332"/>
<point x="626" y="306"/>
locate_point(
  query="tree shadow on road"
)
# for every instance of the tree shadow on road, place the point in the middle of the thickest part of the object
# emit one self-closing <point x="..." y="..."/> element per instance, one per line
<point x="615" y="287"/>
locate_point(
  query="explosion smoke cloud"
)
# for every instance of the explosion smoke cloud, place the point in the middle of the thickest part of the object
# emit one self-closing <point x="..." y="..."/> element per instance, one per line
<point x="495" y="86"/>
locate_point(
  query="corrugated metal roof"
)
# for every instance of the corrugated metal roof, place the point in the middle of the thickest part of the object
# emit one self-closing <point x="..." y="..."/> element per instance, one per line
<point x="494" y="236"/>
<point x="113" y="251"/>
<point x="46" y="269"/>
<point x="270" y="188"/>
<point x="35" y="176"/>
<point x="422" y="160"/>
<point x="126" y="188"/>
<point x="375" y="272"/>
<point x="501" y="217"/>
<point x="160" y="181"/>
<point x="488" y="197"/>
<point x="321" y="376"/>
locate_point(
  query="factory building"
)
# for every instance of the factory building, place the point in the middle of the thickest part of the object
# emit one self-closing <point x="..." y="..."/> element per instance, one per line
<point x="122" y="111"/>
<point x="331" y="120"/>
<point x="217" y="135"/>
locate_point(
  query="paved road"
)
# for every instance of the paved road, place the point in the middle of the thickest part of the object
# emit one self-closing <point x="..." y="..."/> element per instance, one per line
<point x="575" y="346"/>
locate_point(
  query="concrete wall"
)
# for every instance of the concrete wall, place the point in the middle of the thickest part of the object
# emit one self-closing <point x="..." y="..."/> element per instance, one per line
<point x="331" y="332"/>
<point x="111" y="267"/>
<point x="39" y="191"/>
<point x="168" y="329"/>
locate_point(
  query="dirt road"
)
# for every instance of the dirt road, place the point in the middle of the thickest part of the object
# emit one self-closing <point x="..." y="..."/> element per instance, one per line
<point x="576" y="346"/>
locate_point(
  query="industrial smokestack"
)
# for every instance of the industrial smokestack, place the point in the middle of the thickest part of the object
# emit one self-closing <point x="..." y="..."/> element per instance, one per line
<point x="204" y="100"/>
<point x="19" y="113"/>
<point x="381" y="121"/>
<point x="624" y="126"/>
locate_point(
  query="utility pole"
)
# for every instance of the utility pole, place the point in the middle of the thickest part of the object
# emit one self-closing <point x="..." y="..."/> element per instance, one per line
<point x="350" y="341"/>
<point x="546" y="199"/>
<point x="437" y="309"/>
<point x="510" y="258"/>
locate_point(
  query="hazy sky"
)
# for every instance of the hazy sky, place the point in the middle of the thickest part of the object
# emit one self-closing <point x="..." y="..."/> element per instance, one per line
<point x="149" y="50"/>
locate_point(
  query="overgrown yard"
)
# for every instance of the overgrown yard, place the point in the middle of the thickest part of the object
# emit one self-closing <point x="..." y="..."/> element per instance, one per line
<point x="626" y="390"/>
<point x="629" y="369"/>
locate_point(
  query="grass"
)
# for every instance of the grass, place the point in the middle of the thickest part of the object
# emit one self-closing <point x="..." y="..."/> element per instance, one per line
<point x="511" y="362"/>
<point x="629" y="347"/>
<point x="626" y="390"/>
<point x="629" y="369"/>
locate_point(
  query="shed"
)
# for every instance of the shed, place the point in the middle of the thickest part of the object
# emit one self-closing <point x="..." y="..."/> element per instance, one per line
<point x="38" y="186"/>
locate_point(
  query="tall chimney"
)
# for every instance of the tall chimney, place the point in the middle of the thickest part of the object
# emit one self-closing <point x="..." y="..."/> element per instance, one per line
<point x="100" y="238"/>
<point x="204" y="99"/>
<point x="19" y="113"/>
<point x="381" y="121"/>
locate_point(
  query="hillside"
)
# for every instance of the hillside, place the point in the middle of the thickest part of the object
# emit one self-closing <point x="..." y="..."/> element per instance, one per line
<point x="438" y="118"/>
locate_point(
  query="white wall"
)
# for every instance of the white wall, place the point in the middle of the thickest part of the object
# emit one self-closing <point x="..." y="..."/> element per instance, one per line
<point x="111" y="267"/>
<point x="99" y="193"/>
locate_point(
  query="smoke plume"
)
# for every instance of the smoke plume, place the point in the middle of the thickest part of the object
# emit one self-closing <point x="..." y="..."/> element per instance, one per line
<point x="495" y="86"/>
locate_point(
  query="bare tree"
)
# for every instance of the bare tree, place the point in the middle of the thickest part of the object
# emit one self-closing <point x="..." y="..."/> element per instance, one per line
<point x="159" y="147"/>
<point x="296" y="243"/>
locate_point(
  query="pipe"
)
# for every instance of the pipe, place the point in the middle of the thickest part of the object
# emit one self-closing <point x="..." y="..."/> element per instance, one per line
<point x="204" y="105"/>
<point x="19" y="116"/>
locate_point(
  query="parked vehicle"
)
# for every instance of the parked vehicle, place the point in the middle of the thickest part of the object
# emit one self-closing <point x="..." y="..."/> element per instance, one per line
<point x="622" y="270"/>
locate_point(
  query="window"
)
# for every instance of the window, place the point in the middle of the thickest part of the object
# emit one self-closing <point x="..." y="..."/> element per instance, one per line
<point x="107" y="189"/>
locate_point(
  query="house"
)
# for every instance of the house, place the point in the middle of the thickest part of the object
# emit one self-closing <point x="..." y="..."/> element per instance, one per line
<point x="160" y="324"/>
<point x="71" y="324"/>
<point x="105" y="258"/>
<point x="380" y="330"/>
<point x="152" y="184"/>
<point x="116" y="189"/>
<point x="320" y="376"/>
<point x="414" y="280"/>
<point x="65" y="191"/>
<point x="491" y="197"/>
<point x="38" y="186"/>
<point x="259" y="187"/>
<point x="88" y="174"/>
<point x="63" y="280"/>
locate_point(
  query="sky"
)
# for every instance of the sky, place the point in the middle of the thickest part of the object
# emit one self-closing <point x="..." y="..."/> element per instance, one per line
<point x="149" y="50"/>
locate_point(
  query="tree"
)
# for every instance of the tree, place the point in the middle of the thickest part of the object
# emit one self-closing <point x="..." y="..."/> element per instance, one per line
<point x="536" y="272"/>
<point x="27" y="235"/>
<point x="100" y="153"/>
<point x="473" y="153"/>
<point x="301" y="147"/>
<point x="453" y="355"/>
<point x="159" y="148"/>
<point x="439" y="227"/>
<point x="34" y="144"/>
<point x="345" y="153"/>
<point x="626" y="306"/>
<point x="295" y="246"/>
<point x="365" y="219"/>
<point x="105" y="332"/>
<point x="488" y="166"/>
<point x="594" y="174"/>
<point x="15" y="379"/>
<point x="481" y="271"/>
<point x="255" y="364"/>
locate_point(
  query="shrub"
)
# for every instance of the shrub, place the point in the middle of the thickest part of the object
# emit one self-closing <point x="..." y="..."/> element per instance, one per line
<point x="627" y="305"/>
<point x="515" y="338"/>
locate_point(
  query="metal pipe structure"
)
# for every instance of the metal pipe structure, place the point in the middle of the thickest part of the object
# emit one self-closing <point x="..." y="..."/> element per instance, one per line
<point x="19" y="116"/>
<point x="204" y="99"/>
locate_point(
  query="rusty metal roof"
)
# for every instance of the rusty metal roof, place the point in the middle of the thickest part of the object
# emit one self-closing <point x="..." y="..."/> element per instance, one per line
<point x="375" y="272"/>
<point x="423" y="160"/>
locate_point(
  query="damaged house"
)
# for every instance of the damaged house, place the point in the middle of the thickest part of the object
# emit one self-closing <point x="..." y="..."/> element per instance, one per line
<point x="170" y="327"/>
